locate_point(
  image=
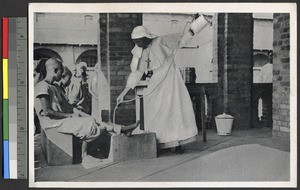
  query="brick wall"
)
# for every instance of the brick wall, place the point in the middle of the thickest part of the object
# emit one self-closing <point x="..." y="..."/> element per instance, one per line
<point x="281" y="75"/>
<point x="120" y="46"/>
<point x="235" y="61"/>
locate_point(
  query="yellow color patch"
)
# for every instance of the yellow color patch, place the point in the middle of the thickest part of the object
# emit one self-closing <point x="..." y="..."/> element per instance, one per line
<point x="5" y="78"/>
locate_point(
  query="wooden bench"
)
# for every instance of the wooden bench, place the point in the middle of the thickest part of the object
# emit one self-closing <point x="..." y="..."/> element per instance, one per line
<point x="60" y="149"/>
<point x="65" y="149"/>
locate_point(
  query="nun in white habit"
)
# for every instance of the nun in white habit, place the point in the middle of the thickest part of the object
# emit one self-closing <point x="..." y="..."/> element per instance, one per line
<point x="167" y="105"/>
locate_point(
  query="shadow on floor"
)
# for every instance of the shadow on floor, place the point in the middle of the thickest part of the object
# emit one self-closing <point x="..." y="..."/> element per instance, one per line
<point x="137" y="170"/>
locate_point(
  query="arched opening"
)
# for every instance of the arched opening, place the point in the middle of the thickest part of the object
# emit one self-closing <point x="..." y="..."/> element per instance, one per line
<point x="89" y="56"/>
<point x="45" y="53"/>
<point x="260" y="59"/>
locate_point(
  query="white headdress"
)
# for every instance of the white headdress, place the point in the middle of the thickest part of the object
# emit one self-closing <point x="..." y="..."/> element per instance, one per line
<point x="140" y="32"/>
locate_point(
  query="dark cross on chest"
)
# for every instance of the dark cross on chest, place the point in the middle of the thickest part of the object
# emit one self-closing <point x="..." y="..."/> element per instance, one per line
<point x="148" y="62"/>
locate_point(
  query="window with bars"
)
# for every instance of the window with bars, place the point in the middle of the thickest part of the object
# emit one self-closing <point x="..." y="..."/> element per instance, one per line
<point x="89" y="57"/>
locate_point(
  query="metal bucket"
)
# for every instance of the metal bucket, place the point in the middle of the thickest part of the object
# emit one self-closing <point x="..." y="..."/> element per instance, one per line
<point x="188" y="74"/>
<point x="224" y="124"/>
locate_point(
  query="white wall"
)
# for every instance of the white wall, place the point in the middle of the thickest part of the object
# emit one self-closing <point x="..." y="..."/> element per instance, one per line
<point x="263" y="34"/>
<point x="200" y="58"/>
<point x="65" y="28"/>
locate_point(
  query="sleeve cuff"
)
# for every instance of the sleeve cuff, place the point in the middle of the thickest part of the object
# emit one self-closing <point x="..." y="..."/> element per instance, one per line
<point x="117" y="129"/>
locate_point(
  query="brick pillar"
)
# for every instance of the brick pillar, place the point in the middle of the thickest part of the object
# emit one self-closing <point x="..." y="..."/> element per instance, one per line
<point x="281" y="75"/>
<point x="234" y="58"/>
<point x="120" y="46"/>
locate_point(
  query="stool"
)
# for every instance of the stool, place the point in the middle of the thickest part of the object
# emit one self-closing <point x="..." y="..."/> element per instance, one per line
<point x="137" y="146"/>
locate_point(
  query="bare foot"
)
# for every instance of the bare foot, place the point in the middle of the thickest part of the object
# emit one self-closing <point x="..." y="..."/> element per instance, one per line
<point x="127" y="130"/>
<point x="178" y="150"/>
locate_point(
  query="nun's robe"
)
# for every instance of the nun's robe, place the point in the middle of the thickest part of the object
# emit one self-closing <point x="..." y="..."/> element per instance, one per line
<point x="167" y="105"/>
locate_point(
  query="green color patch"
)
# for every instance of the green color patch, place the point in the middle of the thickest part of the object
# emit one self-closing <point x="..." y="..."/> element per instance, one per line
<point x="5" y="120"/>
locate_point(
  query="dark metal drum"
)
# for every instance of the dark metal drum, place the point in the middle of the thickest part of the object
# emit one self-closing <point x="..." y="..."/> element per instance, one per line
<point x="188" y="74"/>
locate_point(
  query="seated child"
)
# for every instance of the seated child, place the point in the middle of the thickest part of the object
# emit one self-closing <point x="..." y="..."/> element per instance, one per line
<point x="39" y="72"/>
<point x="62" y="87"/>
<point x="65" y="80"/>
<point x="50" y="112"/>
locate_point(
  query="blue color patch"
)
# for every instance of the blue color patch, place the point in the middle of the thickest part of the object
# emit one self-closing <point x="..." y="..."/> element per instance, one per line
<point x="6" y="174"/>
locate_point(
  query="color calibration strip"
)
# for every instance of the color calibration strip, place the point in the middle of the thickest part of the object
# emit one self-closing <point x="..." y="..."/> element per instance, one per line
<point x="14" y="65"/>
<point x="12" y="88"/>
<point x="6" y="164"/>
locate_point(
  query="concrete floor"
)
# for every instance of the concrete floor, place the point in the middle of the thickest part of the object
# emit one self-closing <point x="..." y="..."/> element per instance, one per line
<point x="172" y="165"/>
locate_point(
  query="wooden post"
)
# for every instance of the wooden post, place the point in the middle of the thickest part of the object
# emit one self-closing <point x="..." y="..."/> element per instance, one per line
<point x="225" y="79"/>
<point x="202" y="108"/>
<point x="142" y="124"/>
<point x="108" y="63"/>
<point x="198" y="114"/>
<point x="137" y="106"/>
<point x="99" y="68"/>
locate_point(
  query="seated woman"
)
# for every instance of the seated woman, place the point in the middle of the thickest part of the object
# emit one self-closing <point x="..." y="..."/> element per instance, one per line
<point x="78" y="92"/>
<point x="52" y="115"/>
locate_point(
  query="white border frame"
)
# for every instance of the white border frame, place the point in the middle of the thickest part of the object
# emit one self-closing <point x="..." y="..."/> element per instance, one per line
<point x="178" y="8"/>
